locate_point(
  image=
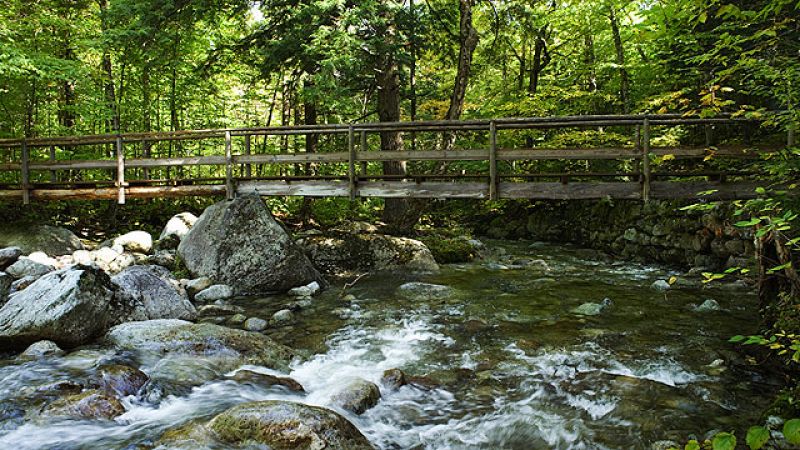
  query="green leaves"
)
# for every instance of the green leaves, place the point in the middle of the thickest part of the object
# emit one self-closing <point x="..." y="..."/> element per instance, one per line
<point x="791" y="431"/>
<point x="757" y="437"/>
<point x="692" y="445"/>
<point x="724" y="441"/>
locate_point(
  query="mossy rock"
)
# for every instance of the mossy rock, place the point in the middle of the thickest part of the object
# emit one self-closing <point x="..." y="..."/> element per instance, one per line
<point x="92" y="404"/>
<point x="450" y="250"/>
<point x="286" y="425"/>
<point x="206" y="340"/>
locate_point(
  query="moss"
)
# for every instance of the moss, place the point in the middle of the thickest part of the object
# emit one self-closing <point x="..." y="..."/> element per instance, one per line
<point x="450" y="250"/>
<point x="180" y="271"/>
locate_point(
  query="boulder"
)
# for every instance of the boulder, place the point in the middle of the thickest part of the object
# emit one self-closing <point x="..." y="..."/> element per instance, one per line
<point x="661" y="285"/>
<point x="287" y="425"/>
<point x="425" y="291"/>
<point x="27" y="267"/>
<point x="22" y="283"/>
<point x="5" y="287"/>
<point x="305" y="291"/>
<point x="54" y="241"/>
<point x="358" y="396"/>
<point x="197" y="285"/>
<point x="9" y="256"/>
<point x="346" y="253"/>
<point x="120" y="380"/>
<point x="214" y="293"/>
<point x="282" y="317"/>
<point x="235" y="347"/>
<point x="41" y="349"/>
<point x="70" y="307"/>
<point x="393" y="378"/>
<point x="135" y="241"/>
<point x="220" y="310"/>
<point x="255" y="324"/>
<point x="240" y="244"/>
<point x="178" y="226"/>
<point x="263" y="379"/>
<point x="153" y="294"/>
<point x="91" y="404"/>
<point x="111" y="260"/>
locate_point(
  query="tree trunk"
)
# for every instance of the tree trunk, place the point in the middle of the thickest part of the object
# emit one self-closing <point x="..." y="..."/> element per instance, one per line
<point x="109" y="92"/>
<point x="541" y="59"/>
<point x="468" y="41"/>
<point x="624" y="85"/>
<point x="778" y="287"/>
<point x="589" y="60"/>
<point x="312" y="144"/>
<point x="396" y="212"/>
<point x="147" y="124"/>
<point x="66" y="112"/>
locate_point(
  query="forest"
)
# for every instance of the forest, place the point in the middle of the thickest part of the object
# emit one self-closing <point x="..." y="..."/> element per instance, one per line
<point x="506" y="323"/>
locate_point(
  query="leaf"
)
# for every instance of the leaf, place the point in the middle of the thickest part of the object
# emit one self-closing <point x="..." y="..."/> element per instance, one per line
<point x="668" y="158"/>
<point x="757" y="437"/>
<point x="736" y="339"/>
<point x="692" y="445"/>
<point x="672" y="280"/>
<point x="724" y="441"/>
<point x="791" y="431"/>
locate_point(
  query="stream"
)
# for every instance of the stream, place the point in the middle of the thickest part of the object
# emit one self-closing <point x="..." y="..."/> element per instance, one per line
<point x="505" y="361"/>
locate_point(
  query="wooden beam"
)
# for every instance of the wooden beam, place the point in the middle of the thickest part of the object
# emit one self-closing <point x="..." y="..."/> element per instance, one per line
<point x="363" y="148"/>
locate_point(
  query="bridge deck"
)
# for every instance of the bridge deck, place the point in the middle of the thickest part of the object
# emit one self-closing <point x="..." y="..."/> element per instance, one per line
<point x="45" y="177"/>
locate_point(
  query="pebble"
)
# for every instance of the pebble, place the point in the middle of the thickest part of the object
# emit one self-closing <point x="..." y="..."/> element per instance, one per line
<point x="255" y="324"/>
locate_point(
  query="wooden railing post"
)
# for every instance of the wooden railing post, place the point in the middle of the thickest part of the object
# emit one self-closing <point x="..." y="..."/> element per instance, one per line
<point x="25" y="175"/>
<point x="709" y="135"/>
<point x="351" y="169"/>
<point x="364" y="147"/>
<point x="53" y="177"/>
<point x="646" y="160"/>
<point x="229" y="192"/>
<point x="493" y="161"/>
<point x="120" y="170"/>
<point x="248" y="168"/>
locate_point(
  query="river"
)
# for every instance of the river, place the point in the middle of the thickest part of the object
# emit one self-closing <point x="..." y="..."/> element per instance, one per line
<point x="508" y="363"/>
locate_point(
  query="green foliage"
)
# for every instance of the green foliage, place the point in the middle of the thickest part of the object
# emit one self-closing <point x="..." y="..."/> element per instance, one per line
<point x="757" y="437"/>
<point x="791" y="431"/>
<point x="450" y="250"/>
<point x="724" y="441"/>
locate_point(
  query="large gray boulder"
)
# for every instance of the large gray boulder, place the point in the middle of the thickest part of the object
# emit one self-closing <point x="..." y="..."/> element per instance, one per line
<point x="54" y="241"/>
<point x="70" y="307"/>
<point x="232" y="348"/>
<point x="153" y="294"/>
<point x="283" y="425"/>
<point x="347" y="253"/>
<point x="240" y="244"/>
<point x="25" y="267"/>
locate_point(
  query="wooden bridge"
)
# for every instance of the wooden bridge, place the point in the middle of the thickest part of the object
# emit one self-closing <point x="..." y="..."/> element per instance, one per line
<point x="48" y="168"/>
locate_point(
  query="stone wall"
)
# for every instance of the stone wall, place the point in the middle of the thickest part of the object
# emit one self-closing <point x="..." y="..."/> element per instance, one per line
<point x="658" y="231"/>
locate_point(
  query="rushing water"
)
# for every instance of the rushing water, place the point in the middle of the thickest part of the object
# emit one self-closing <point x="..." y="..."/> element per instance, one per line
<point x="507" y="363"/>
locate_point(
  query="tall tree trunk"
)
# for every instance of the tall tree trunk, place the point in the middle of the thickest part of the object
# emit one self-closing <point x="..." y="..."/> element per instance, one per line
<point x="590" y="61"/>
<point x="66" y="112"/>
<point x="541" y="59"/>
<point x="312" y="144"/>
<point x="112" y="124"/>
<point x="468" y="41"/>
<point x="396" y="212"/>
<point x="147" y="123"/>
<point x="624" y="84"/>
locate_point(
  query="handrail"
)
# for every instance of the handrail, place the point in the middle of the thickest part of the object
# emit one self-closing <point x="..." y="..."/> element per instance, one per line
<point x="417" y="126"/>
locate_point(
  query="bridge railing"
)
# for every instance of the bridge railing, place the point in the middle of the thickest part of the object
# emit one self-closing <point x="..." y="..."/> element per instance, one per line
<point x="640" y="182"/>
